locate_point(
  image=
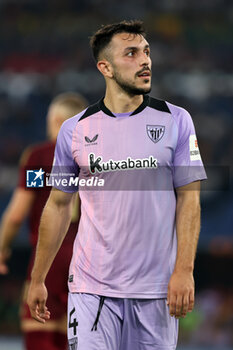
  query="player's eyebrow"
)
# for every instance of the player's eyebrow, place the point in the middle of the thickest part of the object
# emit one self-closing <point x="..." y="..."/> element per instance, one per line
<point x="135" y="48"/>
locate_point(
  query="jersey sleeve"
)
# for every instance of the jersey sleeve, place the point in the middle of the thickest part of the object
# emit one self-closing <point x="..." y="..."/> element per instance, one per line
<point x="65" y="170"/>
<point x="187" y="162"/>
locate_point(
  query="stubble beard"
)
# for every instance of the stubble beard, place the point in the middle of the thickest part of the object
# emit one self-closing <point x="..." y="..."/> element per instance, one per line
<point x="129" y="88"/>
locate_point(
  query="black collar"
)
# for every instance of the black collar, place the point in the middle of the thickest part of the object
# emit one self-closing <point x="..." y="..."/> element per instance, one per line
<point x="140" y="108"/>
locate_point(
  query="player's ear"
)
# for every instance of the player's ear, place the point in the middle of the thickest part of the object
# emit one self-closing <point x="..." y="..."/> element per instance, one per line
<point x="105" y="68"/>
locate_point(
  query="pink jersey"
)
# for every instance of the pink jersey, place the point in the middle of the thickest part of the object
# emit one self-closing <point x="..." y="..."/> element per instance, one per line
<point x="126" y="243"/>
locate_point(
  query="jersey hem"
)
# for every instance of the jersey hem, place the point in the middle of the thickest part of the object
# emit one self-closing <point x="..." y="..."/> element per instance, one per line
<point x="139" y="295"/>
<point x="190" y="180"/>
<point x="65" y="190"/>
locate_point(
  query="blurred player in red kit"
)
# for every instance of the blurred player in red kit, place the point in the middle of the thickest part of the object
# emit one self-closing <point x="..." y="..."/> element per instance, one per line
<point x="29" y="202"/>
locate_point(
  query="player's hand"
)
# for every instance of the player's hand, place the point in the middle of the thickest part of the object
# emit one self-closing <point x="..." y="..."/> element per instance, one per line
<point x="180" y="296"/>
<point x="4" y="256"/>
<point x="36" y="299"/>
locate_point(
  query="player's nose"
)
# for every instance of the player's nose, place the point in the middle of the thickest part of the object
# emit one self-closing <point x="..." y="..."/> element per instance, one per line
<point x="145" y="60"/>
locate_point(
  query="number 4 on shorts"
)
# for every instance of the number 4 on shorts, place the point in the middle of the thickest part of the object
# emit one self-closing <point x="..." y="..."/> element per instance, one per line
<point x="73" y="324"/>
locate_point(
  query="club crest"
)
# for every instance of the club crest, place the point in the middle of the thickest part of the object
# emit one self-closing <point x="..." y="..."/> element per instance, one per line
<point x="155" y="132"/>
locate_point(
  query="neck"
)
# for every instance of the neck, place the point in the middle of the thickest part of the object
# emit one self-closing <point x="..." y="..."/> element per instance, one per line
<point x="120" y="102"/>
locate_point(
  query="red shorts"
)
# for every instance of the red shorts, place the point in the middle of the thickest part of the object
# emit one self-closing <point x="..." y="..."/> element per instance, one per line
<point x="56" y="283"/>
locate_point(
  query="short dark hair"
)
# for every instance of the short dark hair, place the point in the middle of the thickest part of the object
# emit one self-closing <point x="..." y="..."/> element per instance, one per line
<point x="104" y="35"/>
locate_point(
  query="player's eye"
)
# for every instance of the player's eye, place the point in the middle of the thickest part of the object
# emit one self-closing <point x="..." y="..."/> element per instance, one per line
<point x="147" y="52"/>
<point x="130" y="53"/>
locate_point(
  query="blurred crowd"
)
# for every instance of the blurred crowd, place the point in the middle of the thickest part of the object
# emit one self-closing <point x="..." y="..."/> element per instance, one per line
<point x="211" y="322"/>
<point x="45" y="51"/>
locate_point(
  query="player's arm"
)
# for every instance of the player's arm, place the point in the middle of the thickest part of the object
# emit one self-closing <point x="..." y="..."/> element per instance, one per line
<point x="55" y="221"/>
<point x="12" y="219"/>
<point x="181" y="285"/>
